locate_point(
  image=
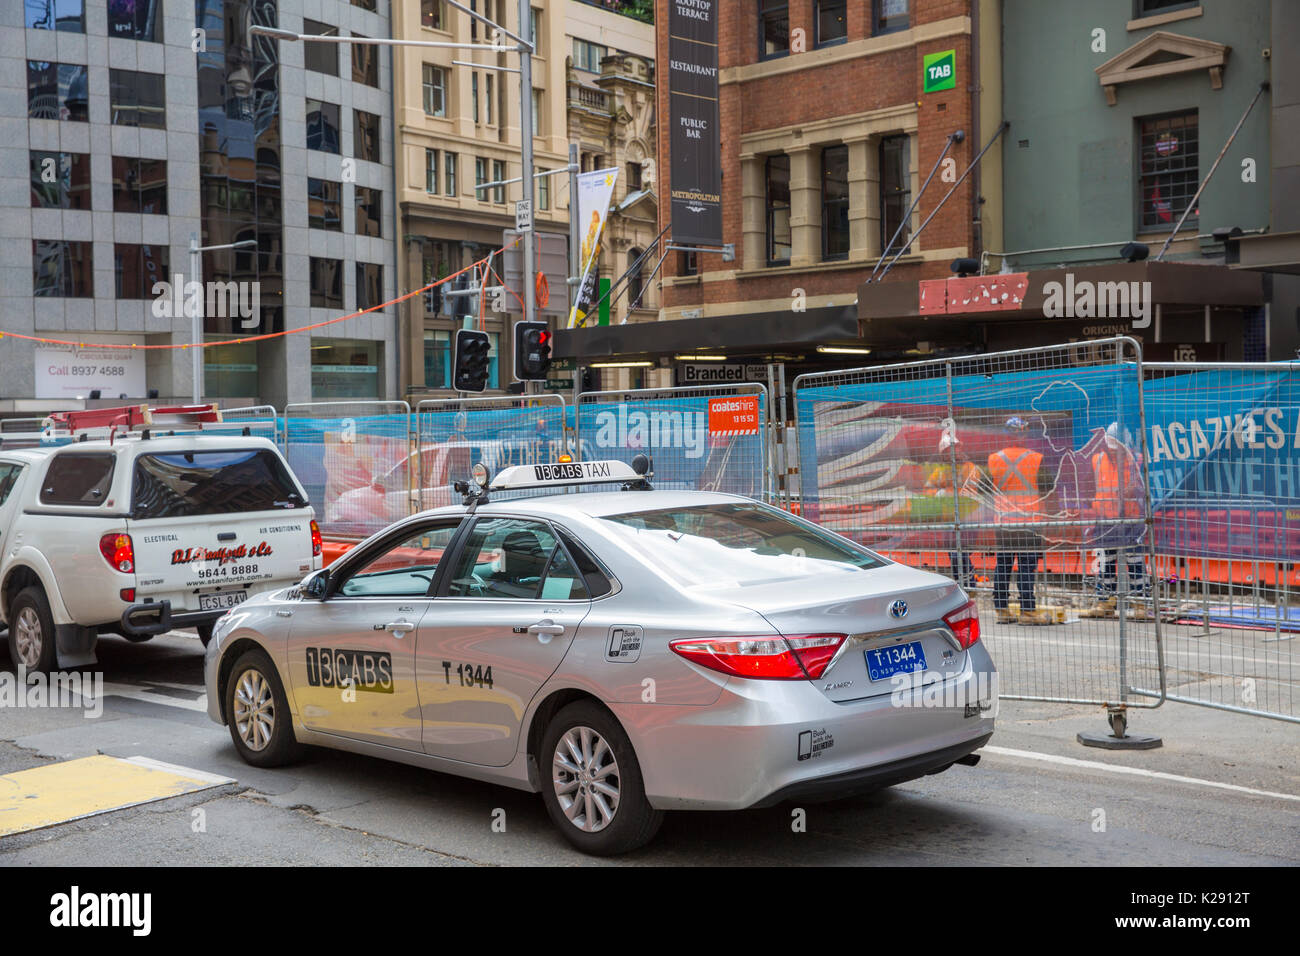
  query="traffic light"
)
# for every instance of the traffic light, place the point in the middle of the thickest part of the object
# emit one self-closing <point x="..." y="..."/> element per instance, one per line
<point x="532" y="351"/>
<point x="471" y="363"/>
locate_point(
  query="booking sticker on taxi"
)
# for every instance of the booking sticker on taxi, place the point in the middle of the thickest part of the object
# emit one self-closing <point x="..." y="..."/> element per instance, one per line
<point x="737" y="415"/>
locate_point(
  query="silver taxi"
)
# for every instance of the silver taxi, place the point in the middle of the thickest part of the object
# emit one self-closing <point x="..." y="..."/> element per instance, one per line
<point x="623" y="653"/>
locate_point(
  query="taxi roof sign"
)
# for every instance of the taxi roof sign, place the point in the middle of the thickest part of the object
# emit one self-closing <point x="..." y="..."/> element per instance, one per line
<point x="563" y="473"/>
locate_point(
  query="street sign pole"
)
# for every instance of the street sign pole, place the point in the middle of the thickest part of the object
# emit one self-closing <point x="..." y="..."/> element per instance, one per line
<point x="526" y="148"/>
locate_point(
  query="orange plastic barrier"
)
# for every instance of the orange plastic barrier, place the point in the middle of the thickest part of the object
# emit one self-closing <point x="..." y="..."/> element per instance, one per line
<point x="331" y="551"/>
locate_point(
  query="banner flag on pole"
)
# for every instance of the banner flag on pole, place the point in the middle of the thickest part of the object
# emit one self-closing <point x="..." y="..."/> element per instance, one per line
<point x="595" y="190"/>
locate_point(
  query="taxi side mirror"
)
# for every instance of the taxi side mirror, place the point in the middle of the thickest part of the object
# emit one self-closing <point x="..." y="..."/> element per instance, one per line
<point x="316" y="585"/>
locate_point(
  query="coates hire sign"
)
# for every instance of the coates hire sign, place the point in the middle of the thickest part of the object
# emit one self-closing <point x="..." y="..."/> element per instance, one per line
<point x="694" y="143"/>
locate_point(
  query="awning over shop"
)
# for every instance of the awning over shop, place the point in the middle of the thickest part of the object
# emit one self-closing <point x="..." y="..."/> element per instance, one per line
<point x="758" y="332"/>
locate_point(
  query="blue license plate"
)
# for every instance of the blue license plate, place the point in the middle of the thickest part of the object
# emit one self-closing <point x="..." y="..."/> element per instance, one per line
<point x="884" y="662"/>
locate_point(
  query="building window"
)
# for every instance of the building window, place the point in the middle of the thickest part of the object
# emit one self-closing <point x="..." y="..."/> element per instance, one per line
<point x="1146" y="8"/>
<point x="345" y="368"/>
<point x="62" y="269"/>
<point x="369" y="208"/>
<point x="498" y="174"/>
<point x="633" y="177"/>
<point x="140" y="185"/>
<point x="320" y="57"/>
<point x="322" y="126"/>
<point x="66" y="15"/>
<point x="1169" y="172"/>
<point x="370" y="285"/>
<point x="57" y="91"/>
<point x="494" y="360"/>
<point x="688" y="263"/>
<point x="773" y="28"/>
<point x="777" y="206"/>
<point x="489" y="97"/>
<point x="473" y="92"/>
<point x="365" y="63"/>
<point x="60" y="180"/>
<point x="449" y="177"/>
<point x="895" y="191"/>
<point x="437" y="359"/>
<point x="431" y="171"/>
<point x="435" y="90"/>
<point x="480" y="177"/>
<point x="832" y="21"/>
<point x="370" y="5"/>
<point x="365" y="136"/>
<point x="137" y="268"/>
<point x="543" y="190"/>
<point x="137" y="99"/>
<point x="433" y="14"/>
<point x="587" y="56"/>
<point x="835" y="202"/>
<point x="326" y="281"/>
<point x="324" y="205"/>
<point x="534" y="34"/>
<point x="635" y="281"/>
<point x="537" y="113"/>
<point x="888" y="16"/>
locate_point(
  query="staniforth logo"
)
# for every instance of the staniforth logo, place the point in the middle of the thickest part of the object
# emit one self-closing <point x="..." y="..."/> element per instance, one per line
<point x="220" y="555"/>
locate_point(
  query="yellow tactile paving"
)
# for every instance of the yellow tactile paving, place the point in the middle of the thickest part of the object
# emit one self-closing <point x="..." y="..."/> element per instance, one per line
<point x="72" y="789"/>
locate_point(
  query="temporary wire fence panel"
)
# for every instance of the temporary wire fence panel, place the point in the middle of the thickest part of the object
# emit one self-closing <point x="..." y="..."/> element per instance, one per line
<point x="701" y="438"/>
<point x="262" y="421"/>
<point x="1019" y="474"/>
<point x="497" y="431"/>
<point x="1225" y="497"/>
<point x="355" y="460"/>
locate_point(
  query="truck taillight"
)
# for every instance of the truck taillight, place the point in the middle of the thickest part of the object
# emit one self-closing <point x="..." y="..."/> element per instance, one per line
<point x="118" y="551"/>
<point x="965" y="624"/>
<point x="317" y="543"/>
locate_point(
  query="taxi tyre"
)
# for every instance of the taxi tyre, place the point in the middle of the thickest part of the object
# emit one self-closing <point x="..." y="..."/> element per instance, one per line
<point x="635" y="822"/>
<point x="281" y="747"/>
<point x="31" y="624"/>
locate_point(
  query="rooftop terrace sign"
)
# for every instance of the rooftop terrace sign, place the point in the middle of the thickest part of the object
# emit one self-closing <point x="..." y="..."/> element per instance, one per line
<point x="694" y="142"/>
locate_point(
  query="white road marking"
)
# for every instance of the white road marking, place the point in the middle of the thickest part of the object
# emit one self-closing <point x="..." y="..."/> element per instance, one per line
<point x="203" y="776"/>
<point x="198" y="703"/>
<point x="1135" y="771"/>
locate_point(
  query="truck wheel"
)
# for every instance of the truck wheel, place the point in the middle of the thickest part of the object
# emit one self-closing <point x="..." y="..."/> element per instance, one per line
<point x="258" y="713"/>
<point x="32" y="643"/>
<point x="593" y="788"/>
<point x="205" y="633"/>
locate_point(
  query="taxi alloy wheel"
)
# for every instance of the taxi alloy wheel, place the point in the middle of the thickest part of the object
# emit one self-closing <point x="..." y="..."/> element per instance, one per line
<point x="254" y="709"/>
<point x="586" y="779"/>
<point x="594" y="793"/>
<point x="258" y="712"/>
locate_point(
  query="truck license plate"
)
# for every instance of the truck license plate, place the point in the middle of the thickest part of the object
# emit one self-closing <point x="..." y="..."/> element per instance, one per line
<point x="221" y="600"/>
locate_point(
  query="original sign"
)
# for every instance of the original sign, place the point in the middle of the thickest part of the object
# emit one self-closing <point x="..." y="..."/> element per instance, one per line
<point x="733" y="416"/>
<point x="719" y="373"/>
<point x="74" y="371"/>
<point x="695" y="145"/>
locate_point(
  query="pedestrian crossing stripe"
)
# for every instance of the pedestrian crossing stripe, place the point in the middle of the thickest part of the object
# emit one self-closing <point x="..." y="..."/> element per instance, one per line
<point x="74" y="789"/>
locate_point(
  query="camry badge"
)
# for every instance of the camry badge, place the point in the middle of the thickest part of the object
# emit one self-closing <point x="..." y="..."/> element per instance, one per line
<point x="898" y="609"/>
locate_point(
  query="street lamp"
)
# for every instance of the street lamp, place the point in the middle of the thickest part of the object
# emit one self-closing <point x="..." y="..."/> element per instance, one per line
<point x="196" y="320"/>
<point x="525" y="50"/>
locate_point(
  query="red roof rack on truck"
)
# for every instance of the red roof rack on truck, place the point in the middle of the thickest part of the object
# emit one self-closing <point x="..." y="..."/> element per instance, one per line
<point x="127" y="418"/>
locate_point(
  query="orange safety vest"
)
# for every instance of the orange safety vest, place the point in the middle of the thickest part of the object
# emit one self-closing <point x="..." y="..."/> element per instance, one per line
<point x="1014" y="472"/>
<point x="1114" y="487"/>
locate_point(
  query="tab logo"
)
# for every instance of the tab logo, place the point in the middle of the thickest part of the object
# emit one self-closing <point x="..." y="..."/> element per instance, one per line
<point x="940" y="71"/>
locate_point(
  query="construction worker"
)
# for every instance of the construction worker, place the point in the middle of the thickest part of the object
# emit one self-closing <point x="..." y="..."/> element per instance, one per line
<point x="1016" y="473"/>
<point x="939" y="482"/>
<point x="1118" y="483"/>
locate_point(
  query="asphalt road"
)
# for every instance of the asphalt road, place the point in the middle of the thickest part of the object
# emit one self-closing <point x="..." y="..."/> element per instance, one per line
<point x="1223" y="790"/>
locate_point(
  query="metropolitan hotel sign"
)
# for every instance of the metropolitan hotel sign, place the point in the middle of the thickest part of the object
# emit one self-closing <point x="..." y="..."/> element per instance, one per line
<point x="695" y="146"/>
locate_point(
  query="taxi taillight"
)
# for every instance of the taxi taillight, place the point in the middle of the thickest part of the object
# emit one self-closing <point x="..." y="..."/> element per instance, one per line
<point x="317" y="543"/>
<point x="794" y="657"/>
<point x="965" y="624"/>
<point x="118" y="551"/>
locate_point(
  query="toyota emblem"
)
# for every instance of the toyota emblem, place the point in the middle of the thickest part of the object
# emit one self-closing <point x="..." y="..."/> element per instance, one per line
<point x="898" y="609"/>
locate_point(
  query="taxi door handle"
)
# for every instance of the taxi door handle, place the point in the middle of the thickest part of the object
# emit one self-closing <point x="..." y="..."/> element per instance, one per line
<point x="555" y="630"/>
<point x="399" y="628"/>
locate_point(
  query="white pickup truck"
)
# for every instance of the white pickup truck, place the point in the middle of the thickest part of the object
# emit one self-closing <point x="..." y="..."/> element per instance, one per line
<point x="138" y="535"/>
